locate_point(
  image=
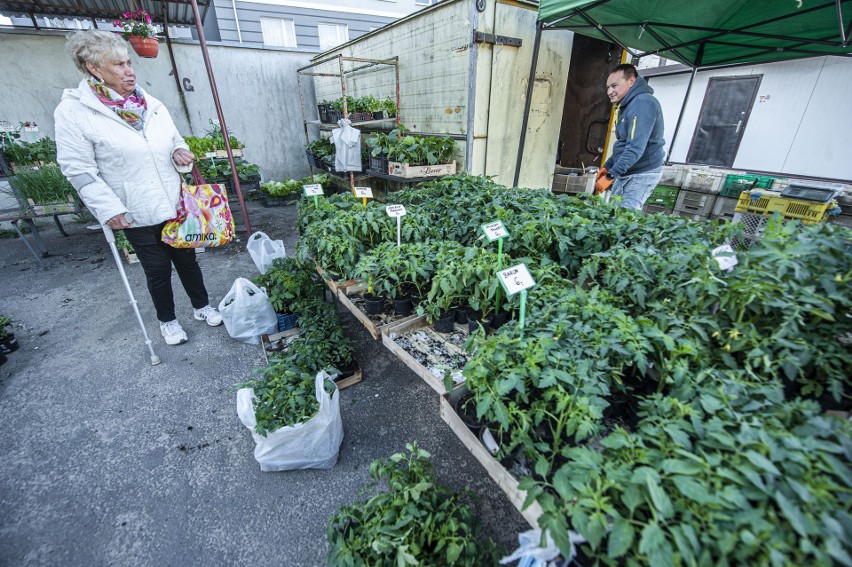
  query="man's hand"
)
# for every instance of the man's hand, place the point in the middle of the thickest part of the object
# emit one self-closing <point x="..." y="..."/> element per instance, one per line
<point x="118" y="222"/>
<point x="183" y="157"/>
<point x="604" y="182"/>
<point x="601" y="173"/>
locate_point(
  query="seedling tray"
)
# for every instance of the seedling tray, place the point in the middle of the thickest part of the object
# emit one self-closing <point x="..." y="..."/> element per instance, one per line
<point x="427" y="352"/>
<point x="280" y="343"/>
<point x="407" y="171"/>
<point x="374" y="324"/>
<point x="498" y="473"/>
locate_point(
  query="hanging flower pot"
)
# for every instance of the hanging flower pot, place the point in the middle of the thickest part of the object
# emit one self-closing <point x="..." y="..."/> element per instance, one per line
<point x="144" y="46"/>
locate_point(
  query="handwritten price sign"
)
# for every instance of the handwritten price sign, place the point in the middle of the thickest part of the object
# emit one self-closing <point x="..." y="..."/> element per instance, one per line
<point x="515" y="279"/>
<point x="313" y="190"/>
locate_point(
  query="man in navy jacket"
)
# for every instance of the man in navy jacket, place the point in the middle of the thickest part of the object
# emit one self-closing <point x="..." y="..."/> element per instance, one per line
<point x="636" y="164"/>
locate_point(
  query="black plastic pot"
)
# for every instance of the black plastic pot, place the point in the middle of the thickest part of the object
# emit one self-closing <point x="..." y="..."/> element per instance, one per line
<point x="475" y="319"/>
<point x="9" y="344"/>
<point x="2" y="358"/>
<point x="461" y="315"/>
<point x="402" y="306"/>
<point x="374" y="305"/>
<point x="465" y="408"/>
<point x="445" y="324"/>
<point x="499" y="319"/>
<point x="348" y="370"/>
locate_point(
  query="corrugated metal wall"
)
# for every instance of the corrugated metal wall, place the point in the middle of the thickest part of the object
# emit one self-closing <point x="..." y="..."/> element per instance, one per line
<point x="798" y="123"/>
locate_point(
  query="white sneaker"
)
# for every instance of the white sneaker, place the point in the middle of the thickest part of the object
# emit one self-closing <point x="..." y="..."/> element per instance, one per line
<point x="208" y="314"/>
<point x="173" y="333"/>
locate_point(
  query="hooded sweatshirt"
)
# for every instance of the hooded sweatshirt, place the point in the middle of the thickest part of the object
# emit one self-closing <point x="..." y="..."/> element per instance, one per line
<point x="639" y="145"/>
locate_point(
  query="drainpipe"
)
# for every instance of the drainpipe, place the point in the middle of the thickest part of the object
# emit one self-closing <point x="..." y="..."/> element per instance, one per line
<point x="220" y="114"/>
<point x="471" y="88"/>
<point x="237" y="20"/>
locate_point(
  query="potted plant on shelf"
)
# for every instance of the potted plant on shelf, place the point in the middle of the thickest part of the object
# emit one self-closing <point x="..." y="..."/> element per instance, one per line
<point x="43" y="190"/>
<point x="140" y="32"/>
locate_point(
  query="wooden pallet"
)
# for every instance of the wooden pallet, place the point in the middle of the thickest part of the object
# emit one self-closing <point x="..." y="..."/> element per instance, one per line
<point x="392" y="333"/>
<point x="266" y="340"/>
<point x="375" y="329"/>
<point x="507" y="483"/>
<point x="334" y="285"/>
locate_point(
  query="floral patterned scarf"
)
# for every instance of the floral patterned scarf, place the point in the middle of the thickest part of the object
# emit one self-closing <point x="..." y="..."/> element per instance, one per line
<point x="131" y="109"/>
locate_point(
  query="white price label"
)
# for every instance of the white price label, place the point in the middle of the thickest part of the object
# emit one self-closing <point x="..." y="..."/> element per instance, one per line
<point x="364" y="192"/>
<point x="395" y="210"/>
<point x="32" y="128"/>
<point x="6" y="127"/>
<point x="210" y="155"/>
<point x="725" y="257"/>
<point x="214" y="121"/>
<point x="495" y="231"/>
<point x="515" y="279"/>
<point x="313" y="190"/>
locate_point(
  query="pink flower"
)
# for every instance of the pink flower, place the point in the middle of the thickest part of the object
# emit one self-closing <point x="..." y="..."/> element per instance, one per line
<point x="125" y="15"/>
<point x="147" y="18"/>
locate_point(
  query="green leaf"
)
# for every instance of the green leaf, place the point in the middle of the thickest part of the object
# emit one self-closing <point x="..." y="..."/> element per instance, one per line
<point x="693" y="489"/>
<point x="792" y="512"/>
<point x="659" y="498"/>
<point x="620" y="538"/>
<point x="453" y="552"/>
<point x="652" y="538"/>
<point x="761" y="462"/>
<point x="679" y="466"/>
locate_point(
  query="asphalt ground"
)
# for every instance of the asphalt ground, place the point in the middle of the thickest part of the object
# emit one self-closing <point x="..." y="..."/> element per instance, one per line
<point x="107" y="460"/>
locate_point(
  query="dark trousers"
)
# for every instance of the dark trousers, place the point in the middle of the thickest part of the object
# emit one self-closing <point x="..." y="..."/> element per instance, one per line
<point x="157" y="259"/>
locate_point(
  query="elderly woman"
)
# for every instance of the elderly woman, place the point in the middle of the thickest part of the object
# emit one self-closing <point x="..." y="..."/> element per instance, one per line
<point x="120" y="149"/>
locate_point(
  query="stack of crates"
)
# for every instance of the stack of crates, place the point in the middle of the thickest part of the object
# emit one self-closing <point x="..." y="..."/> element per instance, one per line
<point x="662" y="199"/>
<point x="754" y="213"/>
<point x="572" y="181"/>
<point x="733" y="186"/>
<point x="697" y="198"/>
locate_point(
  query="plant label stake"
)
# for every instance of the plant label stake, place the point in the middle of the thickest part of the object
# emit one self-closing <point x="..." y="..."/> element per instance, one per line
<point x="210" y="155"/>
<point x="517" y="279"/>
<point x="313" y="190"/>
<point x="365" y="193"/>
<point x="496" y="231"/>
<point x="397" y="211"/>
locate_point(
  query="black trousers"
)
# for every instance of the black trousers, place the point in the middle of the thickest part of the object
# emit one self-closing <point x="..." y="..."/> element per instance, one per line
<point x="157" y="259"/>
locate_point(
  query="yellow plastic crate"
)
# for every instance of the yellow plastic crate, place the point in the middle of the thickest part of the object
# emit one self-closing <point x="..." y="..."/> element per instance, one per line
<point x="807" y="211"/>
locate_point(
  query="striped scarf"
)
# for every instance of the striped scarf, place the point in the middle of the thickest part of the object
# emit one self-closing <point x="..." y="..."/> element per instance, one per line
<point x="131" y="109"/>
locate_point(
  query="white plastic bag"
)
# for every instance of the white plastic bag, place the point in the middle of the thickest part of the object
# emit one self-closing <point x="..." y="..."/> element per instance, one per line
<point x="263" y="250"/>
<point x="247" y="312"/>
<point x="313" y="444"/>
<point x="347" y="141"/>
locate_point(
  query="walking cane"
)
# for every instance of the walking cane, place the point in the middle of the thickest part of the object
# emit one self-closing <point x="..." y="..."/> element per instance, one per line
<point x="110" y="236"/>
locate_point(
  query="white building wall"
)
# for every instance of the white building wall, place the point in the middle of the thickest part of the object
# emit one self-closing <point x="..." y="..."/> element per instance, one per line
<point x="797" y="123"/>
<point x="257" y="89"/>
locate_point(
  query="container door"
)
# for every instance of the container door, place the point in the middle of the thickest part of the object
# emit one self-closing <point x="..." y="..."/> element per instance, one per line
<point x="721" y="124"/>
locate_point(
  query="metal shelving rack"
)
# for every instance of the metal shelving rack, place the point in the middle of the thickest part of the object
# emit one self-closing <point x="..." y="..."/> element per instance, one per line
<point x="342" y="73"/>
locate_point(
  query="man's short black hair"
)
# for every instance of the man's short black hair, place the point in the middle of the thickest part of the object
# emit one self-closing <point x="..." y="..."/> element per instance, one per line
<point x="629" y="71"/>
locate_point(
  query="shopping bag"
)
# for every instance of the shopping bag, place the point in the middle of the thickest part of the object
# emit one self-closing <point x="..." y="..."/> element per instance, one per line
<point x="247" y="313"/>
<point x="203" y="218"/>
<point x="313" y="444"/>
<point x="263" y="250"/>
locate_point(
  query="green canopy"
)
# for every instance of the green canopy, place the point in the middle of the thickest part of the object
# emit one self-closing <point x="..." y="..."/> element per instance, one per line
<point x="701" y="33"/>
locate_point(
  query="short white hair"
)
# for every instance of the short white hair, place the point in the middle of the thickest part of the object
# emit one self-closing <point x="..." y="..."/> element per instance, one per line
<point x="96" y="47"/>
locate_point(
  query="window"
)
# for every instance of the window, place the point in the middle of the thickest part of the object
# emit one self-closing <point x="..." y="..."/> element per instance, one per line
<point x="425" y="2"/>
<point x="278" y="32"/>
<point x="332" y="35"/>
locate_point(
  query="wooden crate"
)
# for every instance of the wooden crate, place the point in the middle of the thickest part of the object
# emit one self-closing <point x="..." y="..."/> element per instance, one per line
<point x="266" y="342"/>
<point x="507" y="483"/>
<point x="373" y="325"/>
<point x="224" y="153"/>
<point x="391" y="335"/>
<point x="48" y="209"/>
<point x="130" y="256"/>
<point x="408" y="171"/>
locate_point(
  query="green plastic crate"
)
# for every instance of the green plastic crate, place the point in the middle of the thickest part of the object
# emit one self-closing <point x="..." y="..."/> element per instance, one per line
<point x="664" y="195"/>
<point x="764" y="182"/>
<point x="736" y="184"/>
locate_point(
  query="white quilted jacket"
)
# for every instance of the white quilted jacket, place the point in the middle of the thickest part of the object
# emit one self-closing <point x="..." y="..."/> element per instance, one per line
<point x="115" y="168"/>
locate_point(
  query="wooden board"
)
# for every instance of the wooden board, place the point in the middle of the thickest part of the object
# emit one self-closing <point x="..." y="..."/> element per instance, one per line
<point x="507" y="483"/>
<point x="408" y="171"/>
<point x="130" y="256"/>
<point x="392" y="333"/>
<point x="53" y="208"/>
<point x="374" y="328"/>
<point x="334" y="285"/>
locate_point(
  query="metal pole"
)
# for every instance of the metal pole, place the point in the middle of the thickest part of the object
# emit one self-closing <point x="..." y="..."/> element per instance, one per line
<point x="698" y="58"/>
<point x="471" y="90"/>
<point x="171" y="53"/>
<point x="843" y="37"/>
<point x="527" y="103"/>
<point x="221" y="115"/>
